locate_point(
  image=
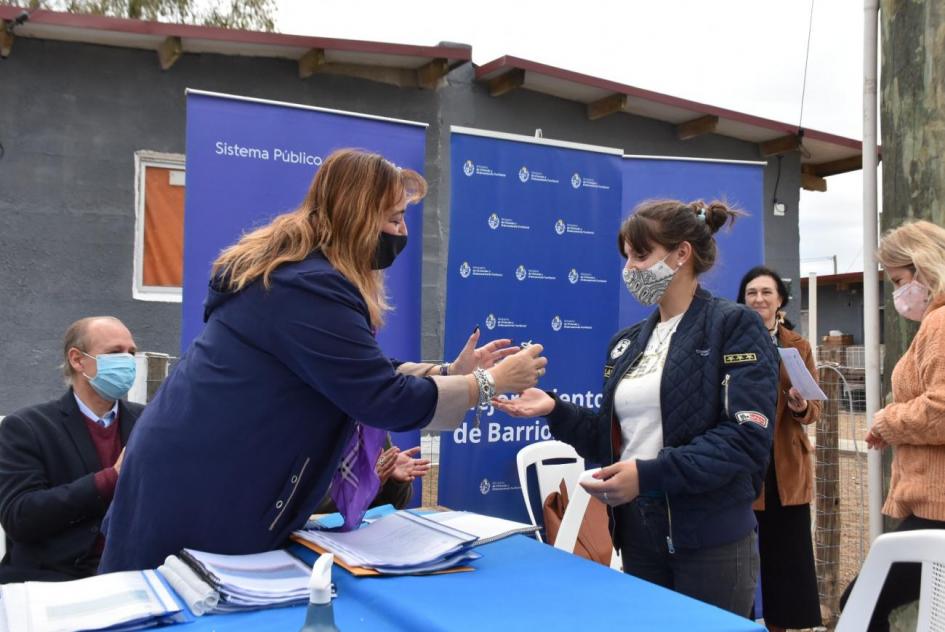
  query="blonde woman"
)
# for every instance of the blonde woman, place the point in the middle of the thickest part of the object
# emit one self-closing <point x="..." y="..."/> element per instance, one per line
<point x="286" y="380"/>
<point x="913" y="256"/>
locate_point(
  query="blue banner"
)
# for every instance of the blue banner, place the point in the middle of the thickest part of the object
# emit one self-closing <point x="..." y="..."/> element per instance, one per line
<point x="532" y="257"/>
<point x="249" y="160"/>
<point x="739" y="184"/>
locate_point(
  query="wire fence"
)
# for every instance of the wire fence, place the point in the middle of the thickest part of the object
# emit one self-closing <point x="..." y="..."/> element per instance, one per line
<point x="840" y="519"/>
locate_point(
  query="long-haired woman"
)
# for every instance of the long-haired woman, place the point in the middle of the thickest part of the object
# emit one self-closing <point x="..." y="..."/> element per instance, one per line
<point x="285" y="393"/>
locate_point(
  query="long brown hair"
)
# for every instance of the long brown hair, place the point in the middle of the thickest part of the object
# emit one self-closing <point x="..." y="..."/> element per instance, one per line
<point x="341" y="215"/>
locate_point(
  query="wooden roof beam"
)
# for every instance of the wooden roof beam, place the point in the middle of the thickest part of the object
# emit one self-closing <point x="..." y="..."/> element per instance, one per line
<point x="169" y="52"/>
<point x="779" y="146"/>
<point x="6" y="38"/>
<point x="429" y="75"/>
<point x="311" y="62"/>
<point x="605" y="107"/>
<point x="810" y="182"/>
<point x="834" y="167"/>
<point x="506" y="82"/>
<point x="697" y="127"/>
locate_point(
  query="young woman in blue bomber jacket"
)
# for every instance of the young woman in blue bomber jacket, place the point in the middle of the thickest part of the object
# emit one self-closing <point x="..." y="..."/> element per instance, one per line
<point x="686" y="421"/>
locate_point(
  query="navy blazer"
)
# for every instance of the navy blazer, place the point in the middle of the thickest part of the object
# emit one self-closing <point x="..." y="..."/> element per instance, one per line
<point x="241" y="441"/>
<point x="49" y="505"/>
<point x="717" y="396"/>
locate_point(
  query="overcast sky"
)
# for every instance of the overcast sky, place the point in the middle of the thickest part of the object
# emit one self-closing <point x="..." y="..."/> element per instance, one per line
<point x="745" y="55"/>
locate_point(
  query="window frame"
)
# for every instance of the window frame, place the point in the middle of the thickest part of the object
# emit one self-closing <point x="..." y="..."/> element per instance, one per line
<point x="143" y="160"/>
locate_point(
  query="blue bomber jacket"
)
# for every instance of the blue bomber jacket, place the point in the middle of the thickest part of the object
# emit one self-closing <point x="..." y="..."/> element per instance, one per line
<point x="717" y="396"/>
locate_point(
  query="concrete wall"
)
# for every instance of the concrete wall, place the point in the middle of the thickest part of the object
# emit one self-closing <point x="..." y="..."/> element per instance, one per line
<point x="74" y="114"/>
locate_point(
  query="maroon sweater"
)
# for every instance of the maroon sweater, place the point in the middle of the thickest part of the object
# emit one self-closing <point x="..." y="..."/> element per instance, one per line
<point x="107" y="442"/>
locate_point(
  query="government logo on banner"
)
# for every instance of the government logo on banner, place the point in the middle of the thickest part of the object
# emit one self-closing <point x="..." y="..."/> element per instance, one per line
<point x="556" y="323"/>
<point x="576" y="181"/>
<point x="485" y="486"/>
<point x="521" y="273"/>
<point x="496" y="222"/>
<point x="490" y="321"/>
<point x="573" y="276"/>
<point x="465" y="270"/>
<point x="560" y="227"/>
<point x="523" y="174"/>
<point x="469" y="167"/>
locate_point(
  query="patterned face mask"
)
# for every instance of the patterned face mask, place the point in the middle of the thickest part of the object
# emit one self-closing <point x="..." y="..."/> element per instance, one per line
<point x="648" y="286"/>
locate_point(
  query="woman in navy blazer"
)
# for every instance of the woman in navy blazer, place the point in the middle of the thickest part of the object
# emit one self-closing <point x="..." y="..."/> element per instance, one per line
<point x="245" y="436"/>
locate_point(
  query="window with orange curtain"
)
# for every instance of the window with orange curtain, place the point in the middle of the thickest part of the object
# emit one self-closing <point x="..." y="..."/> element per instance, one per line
<point x="163" y="263"/>
<point x="159" y="226"/>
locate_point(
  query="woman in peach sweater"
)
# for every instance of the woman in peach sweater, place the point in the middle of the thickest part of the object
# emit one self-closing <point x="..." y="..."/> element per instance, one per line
<point x="913" y="256"/>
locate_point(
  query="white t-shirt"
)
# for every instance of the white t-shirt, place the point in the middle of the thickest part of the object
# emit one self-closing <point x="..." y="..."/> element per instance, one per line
<point x="637" y="400"/>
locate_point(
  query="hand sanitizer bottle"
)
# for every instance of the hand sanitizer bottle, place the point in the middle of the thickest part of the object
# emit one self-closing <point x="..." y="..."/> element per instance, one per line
<point x="320" y="617"/>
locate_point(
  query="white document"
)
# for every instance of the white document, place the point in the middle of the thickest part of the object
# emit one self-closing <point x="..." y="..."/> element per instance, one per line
<point x="398" y="540"/>
<point x="93" y="603"/>
<point x="274" y="574"/>
<point x="801" y="379"/>
<point x="486" y="528"/>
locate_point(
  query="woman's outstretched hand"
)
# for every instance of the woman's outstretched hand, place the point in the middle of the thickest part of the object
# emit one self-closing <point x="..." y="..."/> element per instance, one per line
<point x="533" y="402"/>
<point x="520" y="370"/>
<point x="484" y="357"/>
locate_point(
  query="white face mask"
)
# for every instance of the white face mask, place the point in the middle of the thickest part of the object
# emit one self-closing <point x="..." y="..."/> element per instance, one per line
<point x="648" y="286"/>
<point x="911" y="300"/>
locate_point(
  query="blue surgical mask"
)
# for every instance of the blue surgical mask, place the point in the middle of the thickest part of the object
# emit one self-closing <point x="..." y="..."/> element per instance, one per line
<point x="115" y="373"/>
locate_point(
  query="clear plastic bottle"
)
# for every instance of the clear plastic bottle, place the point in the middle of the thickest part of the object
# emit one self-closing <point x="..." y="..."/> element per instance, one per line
<point x="320" y="617"/>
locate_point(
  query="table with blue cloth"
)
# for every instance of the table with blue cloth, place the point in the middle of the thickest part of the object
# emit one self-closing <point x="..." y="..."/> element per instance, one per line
<point x="519" y="583"/>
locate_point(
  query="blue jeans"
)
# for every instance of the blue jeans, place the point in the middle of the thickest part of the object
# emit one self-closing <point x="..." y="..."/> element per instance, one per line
<point x="724" y="576"/>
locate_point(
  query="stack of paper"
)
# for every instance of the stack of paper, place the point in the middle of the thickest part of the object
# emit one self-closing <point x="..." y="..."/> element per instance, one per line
<point x="400" y="543"/>
<point x="486" y="528"/>
<point x="130" y="600"/>
<point x="243" y="582"/>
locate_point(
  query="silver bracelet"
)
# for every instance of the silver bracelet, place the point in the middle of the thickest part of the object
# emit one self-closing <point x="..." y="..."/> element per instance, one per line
<point x="445" y="368"/>
<point x="486" y="384"/>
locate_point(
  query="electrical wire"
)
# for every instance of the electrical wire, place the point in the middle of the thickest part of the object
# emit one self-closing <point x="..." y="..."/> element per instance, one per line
<point x="810" y="28"/>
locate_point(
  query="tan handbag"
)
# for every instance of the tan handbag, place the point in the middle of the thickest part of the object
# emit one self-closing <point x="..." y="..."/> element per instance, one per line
<point x="593" y="540"/>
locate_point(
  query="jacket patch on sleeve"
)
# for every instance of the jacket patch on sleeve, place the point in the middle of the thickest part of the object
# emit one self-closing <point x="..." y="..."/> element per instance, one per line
<point x="619" y="348"/>
<point x="752" y="416"/>
<point x="738" y="358"/>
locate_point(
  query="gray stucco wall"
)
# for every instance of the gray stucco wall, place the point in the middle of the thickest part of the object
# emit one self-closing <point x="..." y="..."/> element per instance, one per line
<point x="74" y="114"/>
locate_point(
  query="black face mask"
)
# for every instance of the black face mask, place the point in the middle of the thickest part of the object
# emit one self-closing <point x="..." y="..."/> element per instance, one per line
<point x="388" y="247"/>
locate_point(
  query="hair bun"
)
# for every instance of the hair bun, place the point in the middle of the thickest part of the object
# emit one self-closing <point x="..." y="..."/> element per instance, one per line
<point x="716" y="214"/>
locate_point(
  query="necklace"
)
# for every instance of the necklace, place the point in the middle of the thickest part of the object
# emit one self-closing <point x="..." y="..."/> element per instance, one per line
<point x="662" y="340"/>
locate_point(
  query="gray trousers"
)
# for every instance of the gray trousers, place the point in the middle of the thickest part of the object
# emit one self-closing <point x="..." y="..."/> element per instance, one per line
<point x="724" y="576"/>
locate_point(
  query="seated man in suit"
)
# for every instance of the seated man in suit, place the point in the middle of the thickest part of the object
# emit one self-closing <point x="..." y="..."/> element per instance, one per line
<point x="59" y="461"/>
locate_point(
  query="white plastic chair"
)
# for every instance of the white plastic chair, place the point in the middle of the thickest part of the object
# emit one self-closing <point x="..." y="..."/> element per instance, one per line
<point x="926" y="546"/>
<point x="578" y="499"/>
<point x="549" y="475"/>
